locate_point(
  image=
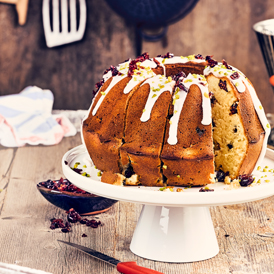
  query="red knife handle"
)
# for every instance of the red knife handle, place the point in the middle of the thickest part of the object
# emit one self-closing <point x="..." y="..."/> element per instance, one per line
<point x="133" y="268"/>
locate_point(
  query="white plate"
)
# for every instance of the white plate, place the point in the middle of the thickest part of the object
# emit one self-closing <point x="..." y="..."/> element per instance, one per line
<point x="222" y="194"/>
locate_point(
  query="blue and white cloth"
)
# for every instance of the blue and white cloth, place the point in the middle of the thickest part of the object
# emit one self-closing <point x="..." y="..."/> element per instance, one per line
<point x="26" y="118"/>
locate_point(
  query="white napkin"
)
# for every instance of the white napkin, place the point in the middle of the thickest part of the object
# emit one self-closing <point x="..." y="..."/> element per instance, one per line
<point x="26" y="118"/>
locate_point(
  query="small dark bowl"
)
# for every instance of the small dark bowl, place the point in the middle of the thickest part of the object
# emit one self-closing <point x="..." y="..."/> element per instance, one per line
<point x="84" y="204"/>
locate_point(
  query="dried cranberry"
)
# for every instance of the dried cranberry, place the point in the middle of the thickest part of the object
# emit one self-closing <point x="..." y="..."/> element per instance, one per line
<point x="97" y="86"/>
<point x="222" y="85"/>
<point x="230" y="146"/>
<point x="226" y="65"/>
<point x="178" y="76"/>
<point x="66" y="163"/>
<point x="212" y="98"/>
<point x="206" y="190"/>
<point x="168" y="55"/>
<point x="220" y="176"/>
<point x="57" y="223"/>
<point x="211" y="62"/>
<point x="65" y="230"/>
<point x="84" y="235"/>
<point x="62" y="185"/>
<point x="93" y="223"/>
<point x="200" y="131"/>
<point x="113" y="70"/>
<point x="235" y="75"/>
<point x="199" y="56"/>
<point x="84" y="221"/>
<point x="77" y="170"/>
<point x="233" y="108"/>
<point x="73" y="216"/>
<point x="246" y="180"/>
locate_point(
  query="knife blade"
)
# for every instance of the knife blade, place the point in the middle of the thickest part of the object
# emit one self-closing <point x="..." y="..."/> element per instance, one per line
<point x="122" y="267"/>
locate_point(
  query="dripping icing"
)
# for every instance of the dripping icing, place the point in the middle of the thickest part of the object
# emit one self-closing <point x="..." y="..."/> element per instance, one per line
<point x="158" y="84"/>
<point x="179" y="99"/>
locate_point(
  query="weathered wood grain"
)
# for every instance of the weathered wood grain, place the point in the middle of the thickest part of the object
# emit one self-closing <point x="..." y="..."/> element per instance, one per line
<point x="245" y="232"/>
<point x="222" y="29"/>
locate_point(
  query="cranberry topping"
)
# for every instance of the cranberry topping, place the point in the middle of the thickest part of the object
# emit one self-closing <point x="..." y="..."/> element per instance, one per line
<point x="168" y="55"/>
<point x="211" y="62"/>
<point x="178" y="76"/>
<point x="199" y="56"/>
<point x="235" y="75"/>
<point x="226" y="65"/>
<point x="97" y="86"/>
<point x="222" y="85"/>
<point x="113" y="70"/>
<point x="84" y="235"/>
<point x="133" y="63"/>
<point x="246" y="180"/>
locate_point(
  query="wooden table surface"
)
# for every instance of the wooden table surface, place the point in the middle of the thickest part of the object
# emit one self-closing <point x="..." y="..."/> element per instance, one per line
<point x="245" y="232"/>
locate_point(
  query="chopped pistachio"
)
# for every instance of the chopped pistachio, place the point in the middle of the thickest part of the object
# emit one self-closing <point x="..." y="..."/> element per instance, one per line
<point x="169" y="78"/>
<point x="84" y="174"/>
<point x="206" y="95"/>
<point x="162" y="188"/>
<point x="267" y="125"/>
<point x="266" y="167"/>
<point x="225" y="74"/>
<point x="99" y="173"/>
<point x="164" y="166"/>
<point x="103" y="93"/>
<point x="264" y="170"/>
<point x="260" y="107"/>
<point x="259" y="167"/>
<point x="88" y="175"/>
<point x="144" y="110"/>
<point x="84" y="166"/>
<point x="170" y="122"/>
<point x="178" y="176"/>
<point x="259" y="181"/>
<point x="175" y="111"/>
<point x="267" y="181"/>
<point x="154" y="95"/>
<point x="177" y="96"/>
<point x="95" y="167"/>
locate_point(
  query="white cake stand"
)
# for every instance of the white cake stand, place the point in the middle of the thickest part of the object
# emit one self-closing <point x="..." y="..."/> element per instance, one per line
<point x="173" y="226"/>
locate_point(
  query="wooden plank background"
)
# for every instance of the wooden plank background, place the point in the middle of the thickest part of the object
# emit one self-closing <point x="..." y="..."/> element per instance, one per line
<point x="221" y="28"/>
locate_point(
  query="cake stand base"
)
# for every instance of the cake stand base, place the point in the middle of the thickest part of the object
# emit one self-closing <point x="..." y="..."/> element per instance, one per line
<point x="175" y="234"/>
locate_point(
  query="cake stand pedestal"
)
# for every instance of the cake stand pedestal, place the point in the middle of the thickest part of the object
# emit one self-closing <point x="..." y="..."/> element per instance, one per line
<point x="173" y="226"/>
<point x="175" y="234"/>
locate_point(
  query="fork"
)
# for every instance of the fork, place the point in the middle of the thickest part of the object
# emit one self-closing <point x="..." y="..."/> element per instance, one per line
<point x="55" y="37"/>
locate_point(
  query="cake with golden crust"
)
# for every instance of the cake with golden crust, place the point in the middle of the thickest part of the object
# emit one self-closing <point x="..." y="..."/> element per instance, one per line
<point x="174" y="121"/>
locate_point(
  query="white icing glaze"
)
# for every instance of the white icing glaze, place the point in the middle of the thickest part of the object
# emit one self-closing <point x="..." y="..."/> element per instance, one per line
<point x="221" y="71"/>
<point x="241" y="84"/>
<point x="179" y="60"/>
<point x="138" y="78"/>
<point x="158" y="85"/>
<point x="114" y="81"/>
<point x="179" y="99"/>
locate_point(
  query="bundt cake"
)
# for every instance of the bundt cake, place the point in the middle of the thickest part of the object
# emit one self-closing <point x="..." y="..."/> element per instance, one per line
<point x="174" y="121"/>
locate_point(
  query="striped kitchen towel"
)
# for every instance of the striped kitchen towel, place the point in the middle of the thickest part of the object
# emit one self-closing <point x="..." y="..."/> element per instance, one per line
<point x="26" y="118"/>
